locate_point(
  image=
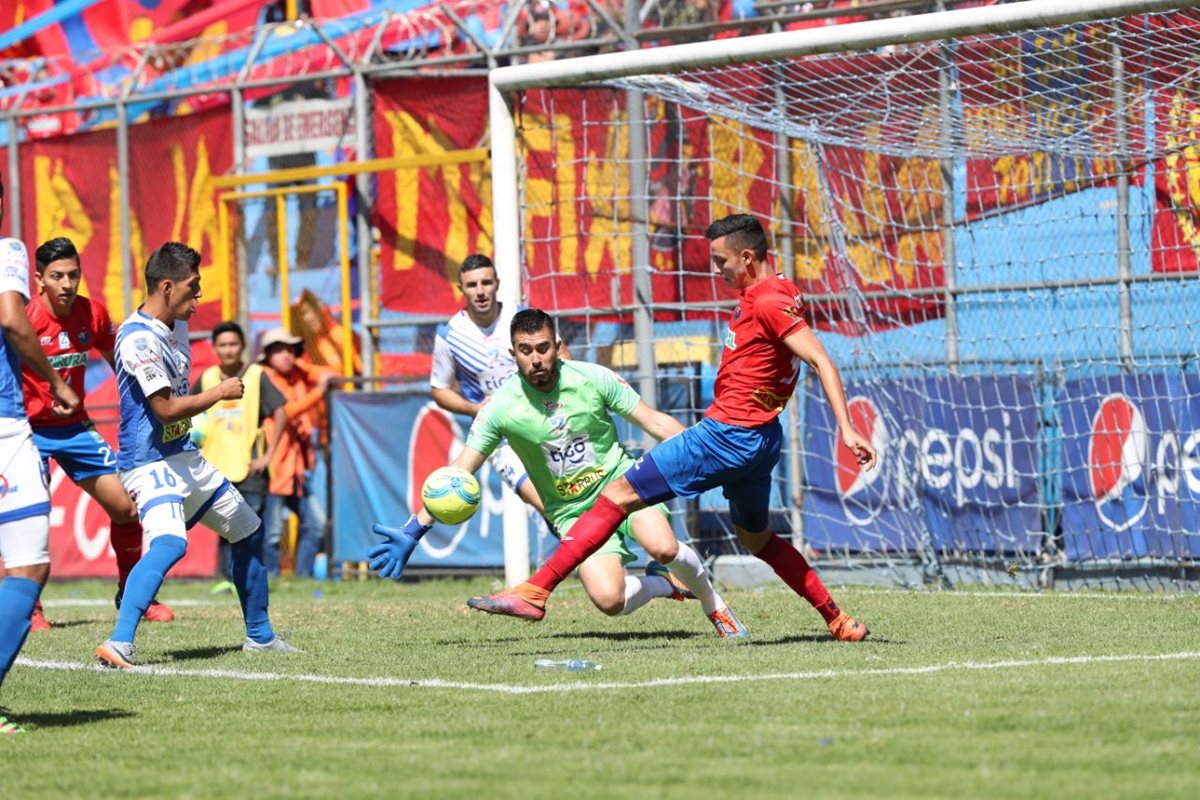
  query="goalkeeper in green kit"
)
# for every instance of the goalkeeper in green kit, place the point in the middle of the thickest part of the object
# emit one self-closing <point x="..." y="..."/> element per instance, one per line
<point x="557" y="420"/>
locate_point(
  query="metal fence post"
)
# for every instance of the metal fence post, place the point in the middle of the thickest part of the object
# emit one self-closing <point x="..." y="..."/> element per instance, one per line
<point x="123" y="204"/>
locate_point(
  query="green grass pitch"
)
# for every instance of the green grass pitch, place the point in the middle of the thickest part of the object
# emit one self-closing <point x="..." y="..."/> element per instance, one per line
<point x="404" y="692"/>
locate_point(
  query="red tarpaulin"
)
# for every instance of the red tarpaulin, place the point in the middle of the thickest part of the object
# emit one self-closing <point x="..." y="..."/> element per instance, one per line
<point x="69" y="187"/>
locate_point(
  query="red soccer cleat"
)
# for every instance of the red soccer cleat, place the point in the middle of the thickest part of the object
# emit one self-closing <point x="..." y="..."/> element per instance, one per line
<point x="157" y="612"/>
<point x="510" y="604"/>
<point x="37" y="620"/>
<point x="846" y="628"/>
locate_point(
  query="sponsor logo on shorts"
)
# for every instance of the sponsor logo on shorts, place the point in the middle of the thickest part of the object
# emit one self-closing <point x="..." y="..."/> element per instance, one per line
<point x="580" y="482"/>
<point x="176" y="430"/>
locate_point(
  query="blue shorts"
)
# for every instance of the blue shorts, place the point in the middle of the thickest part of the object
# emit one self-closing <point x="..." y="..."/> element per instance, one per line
<point x="79" y="449"/>
<point x="711" y="454"/>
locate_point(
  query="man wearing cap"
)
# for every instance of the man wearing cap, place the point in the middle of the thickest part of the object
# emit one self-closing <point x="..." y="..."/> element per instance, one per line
<point x="303" y="387"/>
<point x="231" y="434"/>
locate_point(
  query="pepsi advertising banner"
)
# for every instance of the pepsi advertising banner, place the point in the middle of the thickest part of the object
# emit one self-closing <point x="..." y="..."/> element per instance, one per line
<point x="1131" y="466"/>
<point x="382" y="447"/>
<point x="957" y="464"/>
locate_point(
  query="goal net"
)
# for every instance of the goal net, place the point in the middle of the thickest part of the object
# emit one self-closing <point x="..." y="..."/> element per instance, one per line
<point x="994" y="216"/>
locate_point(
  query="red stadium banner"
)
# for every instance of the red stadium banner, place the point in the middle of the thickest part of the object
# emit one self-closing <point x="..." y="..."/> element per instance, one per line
<point x="69" y="187"/>
<point x="1175" y="242"/>
<point x="433" y="218"/>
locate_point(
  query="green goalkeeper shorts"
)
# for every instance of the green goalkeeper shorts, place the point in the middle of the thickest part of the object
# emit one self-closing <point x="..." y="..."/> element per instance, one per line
<point x="618" y="543"/>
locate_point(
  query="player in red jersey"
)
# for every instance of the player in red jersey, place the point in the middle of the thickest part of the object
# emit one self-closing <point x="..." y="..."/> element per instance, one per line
<point x="737" y="443"/>
<point x="68" y="326"/>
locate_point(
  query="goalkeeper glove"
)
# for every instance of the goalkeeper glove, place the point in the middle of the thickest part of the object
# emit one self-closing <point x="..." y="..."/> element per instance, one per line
<point x="390" y="557"/>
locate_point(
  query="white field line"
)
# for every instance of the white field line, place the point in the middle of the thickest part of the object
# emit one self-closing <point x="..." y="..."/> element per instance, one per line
<point x="1023" y="595"/>
<point x="585" y="686"/>
<point x="91" y="602"/>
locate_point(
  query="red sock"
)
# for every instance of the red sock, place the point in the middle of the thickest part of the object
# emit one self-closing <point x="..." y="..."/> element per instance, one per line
<point x="585" y="537"/>
<point x="127" y="544"/>
<point x="791" y="566"/>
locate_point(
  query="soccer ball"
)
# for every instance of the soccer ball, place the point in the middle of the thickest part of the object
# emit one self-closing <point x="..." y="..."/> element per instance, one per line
<point x="450" y="495"/>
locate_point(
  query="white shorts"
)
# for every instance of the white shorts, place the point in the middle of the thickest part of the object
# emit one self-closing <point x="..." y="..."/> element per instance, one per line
<point x="24" y="497"/>
<point x="505" y="462"/>
<point x="183" y="489"/>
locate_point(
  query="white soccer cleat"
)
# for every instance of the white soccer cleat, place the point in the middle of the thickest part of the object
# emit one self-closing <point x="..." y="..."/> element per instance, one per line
<point x="276" y="645"/>
<point x="118" y="655"/>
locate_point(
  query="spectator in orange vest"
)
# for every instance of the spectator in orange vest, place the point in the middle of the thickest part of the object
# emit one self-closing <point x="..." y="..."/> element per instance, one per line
<point x="303" y="387"/>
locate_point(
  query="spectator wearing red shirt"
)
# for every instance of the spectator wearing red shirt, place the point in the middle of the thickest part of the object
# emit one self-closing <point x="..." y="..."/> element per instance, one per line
<point x="735" y="446"/>
<point x="69" y="326"/>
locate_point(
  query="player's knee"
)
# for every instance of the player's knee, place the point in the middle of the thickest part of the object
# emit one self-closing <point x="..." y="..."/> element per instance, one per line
<point x="609" y="599"/>
<point x="664" y="550"/>
<point x="754" y="542"/>
<point x="124" y="514"/>
<point x="34" y="572"/>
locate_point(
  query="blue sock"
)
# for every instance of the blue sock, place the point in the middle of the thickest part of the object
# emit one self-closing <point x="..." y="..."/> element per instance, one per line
<point x="250" y="578"/>
<point x="17" y="598"/>
<point x="144" y="581"/>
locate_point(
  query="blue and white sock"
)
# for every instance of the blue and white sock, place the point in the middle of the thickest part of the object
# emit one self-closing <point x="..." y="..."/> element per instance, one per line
<point x="17" y="598"/>
<point x="250" y="578"/>
<point x="144" y="581"/>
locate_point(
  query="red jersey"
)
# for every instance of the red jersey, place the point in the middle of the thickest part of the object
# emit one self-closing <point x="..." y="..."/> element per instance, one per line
<point x="66" y="342"/>
<point x="758" y="371"/>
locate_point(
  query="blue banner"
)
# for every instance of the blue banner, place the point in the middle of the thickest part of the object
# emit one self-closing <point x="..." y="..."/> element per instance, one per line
<point x="957" y="462"/>
<point x="382" y="448"/>
<point x="1131" y="466"/>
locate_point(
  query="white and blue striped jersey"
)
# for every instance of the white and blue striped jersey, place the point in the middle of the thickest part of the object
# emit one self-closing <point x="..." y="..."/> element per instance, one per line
<point x="150" y="357"/>
<point x="480" y="358"/>
<point x="14" y="277"/>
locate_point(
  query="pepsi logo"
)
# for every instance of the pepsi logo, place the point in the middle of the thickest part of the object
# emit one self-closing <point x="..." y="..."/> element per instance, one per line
<point x="436" y="439"/>
<point x="854" y="483"/>
<point x="1118" y="462"/>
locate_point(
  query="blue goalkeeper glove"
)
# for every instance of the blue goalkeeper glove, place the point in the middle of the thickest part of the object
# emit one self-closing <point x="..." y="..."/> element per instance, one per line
<point x="389" y="558"/>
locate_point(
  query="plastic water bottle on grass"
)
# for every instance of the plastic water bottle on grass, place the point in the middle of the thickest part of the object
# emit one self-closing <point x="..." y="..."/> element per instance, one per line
<point x="566" y="665"/>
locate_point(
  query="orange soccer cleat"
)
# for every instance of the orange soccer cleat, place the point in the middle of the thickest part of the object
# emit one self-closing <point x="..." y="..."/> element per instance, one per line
<point x="727" y="624"/>
<point x="846" y="628"/>
<point x="510" y="604"/>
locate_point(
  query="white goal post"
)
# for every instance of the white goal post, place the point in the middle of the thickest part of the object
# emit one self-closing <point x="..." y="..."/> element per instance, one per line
<point x="643" y="68"/>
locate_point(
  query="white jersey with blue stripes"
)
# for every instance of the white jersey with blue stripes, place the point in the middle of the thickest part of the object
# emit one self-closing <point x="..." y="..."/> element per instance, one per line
<point x="150" y="357"/>
<point x="14" y="277"/>
<point x="479" y="358"/>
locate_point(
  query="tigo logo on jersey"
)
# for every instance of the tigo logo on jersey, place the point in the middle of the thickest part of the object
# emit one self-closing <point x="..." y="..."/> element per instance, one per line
<point x="1118" y="461"/>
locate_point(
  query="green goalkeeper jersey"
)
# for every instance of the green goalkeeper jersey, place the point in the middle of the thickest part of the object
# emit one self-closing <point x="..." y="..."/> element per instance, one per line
<point x="565" y="438"/>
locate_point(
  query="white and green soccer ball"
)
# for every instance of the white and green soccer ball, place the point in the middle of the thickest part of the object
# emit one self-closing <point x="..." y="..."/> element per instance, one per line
<point x="450" y="495"/>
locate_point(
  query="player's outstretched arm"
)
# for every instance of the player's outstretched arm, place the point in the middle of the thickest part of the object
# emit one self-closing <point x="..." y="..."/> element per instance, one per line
<point x="453" y="402"/>
<point x="389" y="558"/>
<point x="169" y="408"/>
<point x="21" y="337"/>
<point x="654" y="422"/>
<point x="805" y="344"/>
